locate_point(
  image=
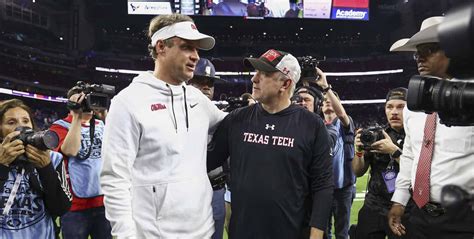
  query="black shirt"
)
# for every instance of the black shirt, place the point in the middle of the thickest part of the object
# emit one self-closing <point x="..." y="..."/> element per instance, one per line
<point x="278" y="164"/>
<point x="378" y="198"/>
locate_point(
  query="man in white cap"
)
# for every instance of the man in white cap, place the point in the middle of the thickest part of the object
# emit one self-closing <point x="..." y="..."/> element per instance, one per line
<point x="433" y="155"/>
<point x="280" y="166"/>
<point x="155" y="185"/>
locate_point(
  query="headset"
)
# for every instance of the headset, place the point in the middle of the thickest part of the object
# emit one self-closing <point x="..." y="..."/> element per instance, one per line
<point x="313" y="91"/>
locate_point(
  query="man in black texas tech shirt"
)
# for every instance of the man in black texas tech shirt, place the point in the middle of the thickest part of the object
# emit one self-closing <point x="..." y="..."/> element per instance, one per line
<point x="280" y="166"/>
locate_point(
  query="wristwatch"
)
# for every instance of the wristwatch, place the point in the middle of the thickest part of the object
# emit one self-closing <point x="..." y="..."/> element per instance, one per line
<point x="396" y="154"/>
<point x="325" y="90"/>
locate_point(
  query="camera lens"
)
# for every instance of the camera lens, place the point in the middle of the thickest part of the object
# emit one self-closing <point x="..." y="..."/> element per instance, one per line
<point x="44" y="140"/>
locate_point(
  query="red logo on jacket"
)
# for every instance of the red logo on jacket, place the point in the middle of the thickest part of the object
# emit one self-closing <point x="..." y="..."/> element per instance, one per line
<point x="158" y="106"/>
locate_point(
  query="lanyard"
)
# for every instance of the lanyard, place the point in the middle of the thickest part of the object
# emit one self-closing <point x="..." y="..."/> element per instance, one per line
<point x="9" y="203"/>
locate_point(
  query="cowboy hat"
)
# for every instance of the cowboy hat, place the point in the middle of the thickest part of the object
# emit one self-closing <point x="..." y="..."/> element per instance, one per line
<point x="428" y="33"/>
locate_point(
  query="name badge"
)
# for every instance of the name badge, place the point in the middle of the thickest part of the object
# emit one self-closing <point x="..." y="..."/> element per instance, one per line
<point x="389" y="176"/>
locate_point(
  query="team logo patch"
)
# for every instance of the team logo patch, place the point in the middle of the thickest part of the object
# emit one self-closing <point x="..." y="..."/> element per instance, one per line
<point x="271" y="55"/>
<point x="158" y="106"/>
<point x="269" y="126"/>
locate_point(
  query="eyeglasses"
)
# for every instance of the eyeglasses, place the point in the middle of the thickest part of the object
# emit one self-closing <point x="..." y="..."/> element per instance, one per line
<point x="426" y="50"/>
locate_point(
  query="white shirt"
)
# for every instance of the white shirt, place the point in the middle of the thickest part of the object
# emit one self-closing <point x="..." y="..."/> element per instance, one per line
<point x="452" y="162"/>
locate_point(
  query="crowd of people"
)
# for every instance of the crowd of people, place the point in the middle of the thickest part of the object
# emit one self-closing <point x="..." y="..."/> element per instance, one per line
<point x="288" y="159"/>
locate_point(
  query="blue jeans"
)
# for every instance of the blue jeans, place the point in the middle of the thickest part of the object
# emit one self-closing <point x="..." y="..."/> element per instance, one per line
<point x="218" y="211"/>
<point x="81" y="224"/>
<point x="341" y="210"/>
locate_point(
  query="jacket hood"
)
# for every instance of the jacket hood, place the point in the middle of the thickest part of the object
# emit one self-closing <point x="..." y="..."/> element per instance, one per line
<point x="148" y="78"/>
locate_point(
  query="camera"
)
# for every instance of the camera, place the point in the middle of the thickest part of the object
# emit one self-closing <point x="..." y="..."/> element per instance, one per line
<point x="451" y="99"/>
<point x="371" y="135"/>
<point x="454" y="100"/>
<point x="97" y="96"/>
<point x="231" y="103"/>
<point x="43" y="140"/>
<point x="308" y="66"/>
<point x="218" y="178"/>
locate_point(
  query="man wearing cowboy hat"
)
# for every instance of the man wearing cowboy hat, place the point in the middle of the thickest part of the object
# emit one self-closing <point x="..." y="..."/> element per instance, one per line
<point x="433" y="155"/>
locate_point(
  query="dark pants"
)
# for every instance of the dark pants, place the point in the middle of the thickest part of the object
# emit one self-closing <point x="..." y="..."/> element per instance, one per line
<point x="218" y="213"/>
<point x="341" y="210"/>
<point x="372" y="225"/>
<point x="81" y="224"/>
<point x="454" y="224"/>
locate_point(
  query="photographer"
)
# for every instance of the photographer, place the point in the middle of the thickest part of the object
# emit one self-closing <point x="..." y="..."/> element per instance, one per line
<point x="383" y="158"/>
<point x="343" y="151"/>
<point x="434" y="155"/>
<point x="87" y="214"/>
<point x="32" y="189"/>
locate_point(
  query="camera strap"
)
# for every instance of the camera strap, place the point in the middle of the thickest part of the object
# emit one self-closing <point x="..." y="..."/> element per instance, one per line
<point x="16" y="185"/>
<point x="91" y="135"/>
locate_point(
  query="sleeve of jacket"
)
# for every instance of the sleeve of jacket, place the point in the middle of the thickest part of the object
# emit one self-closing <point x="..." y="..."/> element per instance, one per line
<point x="119" y="149"/>
<point x="61" y="132"/>
<point x="332" y="135"/>
<point x="215" y="114"/>
<point x="403" y="182"/>
<point x="56" y="194"/>
<point x="218" y="148"/>
<point x="349" y="136"/>
<point x="321" y="174"/>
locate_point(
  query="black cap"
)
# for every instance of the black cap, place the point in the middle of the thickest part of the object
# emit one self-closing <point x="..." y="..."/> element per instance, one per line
<point x="275" y="60"/>
<point x="313" y="91"/>
<point x="399" y="93"/>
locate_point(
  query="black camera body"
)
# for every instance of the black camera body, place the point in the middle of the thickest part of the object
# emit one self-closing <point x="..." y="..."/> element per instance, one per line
<point x="308" y="66"/>
<point x="371" y="135"/>
<point x="97" y="96"/>
<point x="231" y="103"/>
<point x="43" y="140"/>
<point x="218" y="178"/>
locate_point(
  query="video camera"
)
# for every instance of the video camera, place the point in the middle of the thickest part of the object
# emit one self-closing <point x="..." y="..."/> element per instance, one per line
<point x="218" y="178"/>
<point x="453" y="99"/>
<point x="231" y="103"/>
<point x="371" y="135"/>
<point x="43" y="140"/>
<point x="97" y="96"/>
<point x="308" y="66"/>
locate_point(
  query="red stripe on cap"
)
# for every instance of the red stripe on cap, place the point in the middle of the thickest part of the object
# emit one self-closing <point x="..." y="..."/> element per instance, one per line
<point x="271" y="55"/>
<point x="193" y="27"/>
